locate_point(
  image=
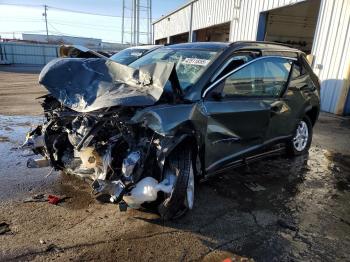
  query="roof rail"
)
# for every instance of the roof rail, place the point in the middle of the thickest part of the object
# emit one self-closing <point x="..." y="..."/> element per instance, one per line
<point x="263" y="42"/>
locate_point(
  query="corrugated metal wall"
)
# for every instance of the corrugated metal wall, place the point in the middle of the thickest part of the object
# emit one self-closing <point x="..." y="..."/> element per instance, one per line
<point x="331" y="48"/>
<point x="175" y="24"/>
<point x="332" y="53"/>
<point x="245" y="24"/>
<point x="208" y="12"/>
<point x="34" y="54"/>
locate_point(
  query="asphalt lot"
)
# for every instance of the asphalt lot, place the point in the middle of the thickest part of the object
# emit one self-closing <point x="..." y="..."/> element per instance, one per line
<point x="279" y="209"/>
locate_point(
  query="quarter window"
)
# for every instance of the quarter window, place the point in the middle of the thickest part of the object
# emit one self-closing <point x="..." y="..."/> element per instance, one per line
<point x="265" y="77"/>
<point x="298" y="70"/>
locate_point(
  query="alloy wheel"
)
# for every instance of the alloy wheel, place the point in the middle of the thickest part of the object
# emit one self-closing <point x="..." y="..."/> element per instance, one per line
<point x="301" y="137"/>
<point x="190" y="190"/>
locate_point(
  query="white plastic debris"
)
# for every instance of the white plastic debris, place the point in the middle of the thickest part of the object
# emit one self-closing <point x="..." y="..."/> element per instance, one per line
<point x="146" y="191"/>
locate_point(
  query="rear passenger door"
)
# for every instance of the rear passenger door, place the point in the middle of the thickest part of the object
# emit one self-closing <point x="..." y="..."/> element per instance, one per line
<point x="239" y="108"/>
<point x="297" y="98"/>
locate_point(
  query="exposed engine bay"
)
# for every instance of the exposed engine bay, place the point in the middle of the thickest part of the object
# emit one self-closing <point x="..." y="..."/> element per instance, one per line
<point x="101" y="146"/>
<point x="90" y="130"/>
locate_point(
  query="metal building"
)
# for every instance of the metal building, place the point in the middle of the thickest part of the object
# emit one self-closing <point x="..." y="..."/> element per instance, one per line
<point x="64" y="39"/>
<point x="318" y="27"/>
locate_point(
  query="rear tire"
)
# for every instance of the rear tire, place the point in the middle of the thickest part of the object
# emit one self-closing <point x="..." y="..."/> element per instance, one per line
<point x="301" y="141"/>
<point x="181" y="199"/>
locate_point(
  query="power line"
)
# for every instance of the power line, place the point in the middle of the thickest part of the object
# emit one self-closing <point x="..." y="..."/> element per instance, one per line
<point x="70" y="10"/>
<point x="19" y="32"/>
<point x="84" y="25"/>
<point x="56" y="21"/>
<point x="134" y="19"/>
<point x="63" y="9"/>
<point x="82" y="12"/>
<point x="26" y="5"/>
<point x="100" y="29"/>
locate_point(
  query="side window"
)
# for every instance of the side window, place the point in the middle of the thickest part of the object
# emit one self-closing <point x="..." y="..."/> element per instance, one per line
<point x="298" y="70"/>
<point x="266" y="77"/>
<point x="301" y="75"/>
<point x="236" y="61"/>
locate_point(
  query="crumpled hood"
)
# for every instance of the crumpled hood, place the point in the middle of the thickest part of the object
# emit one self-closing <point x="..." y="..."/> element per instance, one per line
<point x="86" y="85"/>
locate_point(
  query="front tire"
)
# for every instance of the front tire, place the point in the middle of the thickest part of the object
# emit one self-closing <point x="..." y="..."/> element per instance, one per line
<point x="301" y="141"/>
<point x="181" y="199"/>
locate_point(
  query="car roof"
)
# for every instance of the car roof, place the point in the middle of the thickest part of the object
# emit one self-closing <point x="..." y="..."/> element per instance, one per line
<point x="200" y="45"/>
<point x="262" y="45"/>
<point x="146" y="47"/>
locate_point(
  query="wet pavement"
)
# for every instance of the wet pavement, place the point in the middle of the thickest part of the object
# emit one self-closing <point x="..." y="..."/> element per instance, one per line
<point x="280" y="209"/>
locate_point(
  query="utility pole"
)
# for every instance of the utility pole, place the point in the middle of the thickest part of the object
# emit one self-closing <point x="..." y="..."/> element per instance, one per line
<point x="137" y="22"/>
<point x="140" y="15"/>
<point x="150" y="27"/>
<point x="47" y="30"/>
<point x="123" y="23"/>
<point x="135" y="7"/>
<point x="132" y="23"/>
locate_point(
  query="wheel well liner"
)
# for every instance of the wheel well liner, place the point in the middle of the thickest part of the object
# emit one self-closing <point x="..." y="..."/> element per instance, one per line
<point x="313" y="114"/>
<point x="185" y="140"/>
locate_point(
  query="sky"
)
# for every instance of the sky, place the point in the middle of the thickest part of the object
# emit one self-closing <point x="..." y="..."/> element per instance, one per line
<point x="17" y="16"/>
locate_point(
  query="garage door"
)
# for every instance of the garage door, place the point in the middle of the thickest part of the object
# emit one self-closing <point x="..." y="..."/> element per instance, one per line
<point x="294" y="25"/>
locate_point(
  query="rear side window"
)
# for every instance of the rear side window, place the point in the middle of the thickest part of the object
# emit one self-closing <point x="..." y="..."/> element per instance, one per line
<point x="298" y="70"/>
<point x="265" y="77"/>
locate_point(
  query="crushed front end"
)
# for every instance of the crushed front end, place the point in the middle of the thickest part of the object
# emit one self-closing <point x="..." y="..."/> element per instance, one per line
<point x="103" y="146"/>
<point x="89" y="130"/>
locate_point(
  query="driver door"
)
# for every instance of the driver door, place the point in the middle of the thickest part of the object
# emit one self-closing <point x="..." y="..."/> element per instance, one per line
<point x="239" y="107"/>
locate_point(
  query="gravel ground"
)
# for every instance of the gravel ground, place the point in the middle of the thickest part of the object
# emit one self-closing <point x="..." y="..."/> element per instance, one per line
<point x="278" y="209"/>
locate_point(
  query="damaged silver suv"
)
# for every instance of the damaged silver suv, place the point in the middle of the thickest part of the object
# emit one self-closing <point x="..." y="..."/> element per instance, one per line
<point x="144" y="133"/>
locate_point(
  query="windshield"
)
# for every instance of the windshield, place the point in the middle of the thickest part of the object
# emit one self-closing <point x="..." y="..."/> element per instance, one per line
<point x="190" y="63"/>
<point x="128" y="56"/>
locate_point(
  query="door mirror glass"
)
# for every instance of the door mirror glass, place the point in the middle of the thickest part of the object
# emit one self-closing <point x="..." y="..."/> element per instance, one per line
<point x="265" y="77"/>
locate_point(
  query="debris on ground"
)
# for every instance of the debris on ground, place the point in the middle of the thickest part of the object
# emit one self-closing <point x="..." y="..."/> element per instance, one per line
<point x="51" y="199"/>
<point x="4" y="228"/>
<point x="53" y="248"/>
<point x="36" y="198"/>
<point x="54" y="200"/>
<point x="286" y="224"/>
<point x="238" y="259"/>
<point x="254" y="187"/>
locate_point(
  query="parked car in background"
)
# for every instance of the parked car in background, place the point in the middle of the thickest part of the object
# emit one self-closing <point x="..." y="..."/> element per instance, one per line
<point x="144" y="133"/>
<point x="130" y="54"/>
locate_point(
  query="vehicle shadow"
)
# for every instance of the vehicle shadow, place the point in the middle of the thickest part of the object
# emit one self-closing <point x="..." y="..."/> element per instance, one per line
<point x="267" y="210"/>
<point x="246" y="208"/>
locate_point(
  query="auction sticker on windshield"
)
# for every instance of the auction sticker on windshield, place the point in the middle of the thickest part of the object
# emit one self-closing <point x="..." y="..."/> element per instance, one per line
<point x="136" y="54"/>
<point x="196" y="61"/>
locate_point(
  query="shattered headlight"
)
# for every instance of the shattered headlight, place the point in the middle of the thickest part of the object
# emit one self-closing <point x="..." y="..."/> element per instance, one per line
<point x="130" y="162"/>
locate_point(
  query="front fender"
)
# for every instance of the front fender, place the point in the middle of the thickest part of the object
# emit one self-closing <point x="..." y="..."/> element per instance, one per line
<point x="167" y="145"/>
<point x="166" y="120"/>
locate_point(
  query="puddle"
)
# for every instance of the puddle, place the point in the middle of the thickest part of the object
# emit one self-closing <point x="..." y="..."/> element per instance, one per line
<point x="19" y="182"/>
<point x="310" y="192"/>
<point x="14" y="128"/>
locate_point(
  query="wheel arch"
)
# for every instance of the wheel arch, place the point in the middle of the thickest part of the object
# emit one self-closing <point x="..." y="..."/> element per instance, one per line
<point x="186" y="141"/>
<point x="312" y="113"/>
